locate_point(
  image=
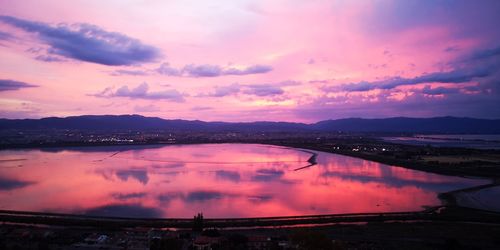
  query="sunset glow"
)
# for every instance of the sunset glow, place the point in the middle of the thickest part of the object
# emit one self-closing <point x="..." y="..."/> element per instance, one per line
<point x="300" y="61"/>
<point x="223" y="180"/>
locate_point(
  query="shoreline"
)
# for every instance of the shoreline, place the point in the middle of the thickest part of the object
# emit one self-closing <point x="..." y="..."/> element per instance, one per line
<point x="409" y="164"/>
<point x="463" y="198"/>
<point x="433" y="214"/>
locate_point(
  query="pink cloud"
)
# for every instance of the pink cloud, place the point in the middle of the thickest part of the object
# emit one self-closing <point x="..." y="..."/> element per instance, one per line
<point x="346" y="58"/>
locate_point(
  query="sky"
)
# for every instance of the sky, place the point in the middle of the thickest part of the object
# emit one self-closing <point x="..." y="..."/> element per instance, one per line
<point x="250" y="60"/>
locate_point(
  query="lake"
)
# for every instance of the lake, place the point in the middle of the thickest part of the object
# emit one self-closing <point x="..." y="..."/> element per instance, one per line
<point x="220" y="180"/>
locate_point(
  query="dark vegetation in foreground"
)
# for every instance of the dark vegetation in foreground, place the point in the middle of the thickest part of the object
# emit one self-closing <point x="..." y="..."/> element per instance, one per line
<point x="441" y="213"/>
<point x="460" y="230"/>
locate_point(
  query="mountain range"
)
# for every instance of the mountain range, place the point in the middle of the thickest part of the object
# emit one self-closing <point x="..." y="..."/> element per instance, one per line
<point x="448" y="125"/>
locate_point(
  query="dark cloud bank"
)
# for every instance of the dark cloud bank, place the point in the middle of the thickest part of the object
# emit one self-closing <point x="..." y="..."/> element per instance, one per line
<point x="86" y="42"/>
<point x="6" y="85"/>
<point x="471" y="88"/>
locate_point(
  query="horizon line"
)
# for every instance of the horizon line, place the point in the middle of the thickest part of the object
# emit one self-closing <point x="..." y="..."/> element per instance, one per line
<point x="256" y="121"/>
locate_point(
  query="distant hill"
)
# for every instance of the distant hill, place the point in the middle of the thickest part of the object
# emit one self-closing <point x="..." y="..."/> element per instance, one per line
<point x="446" y="125"/>
<point x="136" y="122"/>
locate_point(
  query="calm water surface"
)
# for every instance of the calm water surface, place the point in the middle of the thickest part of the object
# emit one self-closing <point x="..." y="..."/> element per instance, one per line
<point x="220" y="180"/>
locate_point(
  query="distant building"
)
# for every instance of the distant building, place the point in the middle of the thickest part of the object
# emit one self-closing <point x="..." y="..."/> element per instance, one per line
<point x="205" y="242"/>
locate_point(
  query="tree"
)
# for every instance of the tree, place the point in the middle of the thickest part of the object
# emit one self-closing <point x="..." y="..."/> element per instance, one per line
<point x="198" y="222"/>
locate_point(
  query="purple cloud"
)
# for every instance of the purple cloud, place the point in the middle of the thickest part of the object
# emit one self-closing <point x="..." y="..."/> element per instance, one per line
<point x="5" y="36"/>
<point x="480" y="100"/>
<point x="255" y="69"/>
<point x="86" y="42"/>
<point x="483" y="54"/>
<point x="210" y="70"/>
<point x="439" y="90"/>
<point x="204" y="70"/>
<point x="455" y="76"/>
<point x="256" y="89"/>
<point x="398" y="16"/>
<point x="452" y="49"/>
<point x="482" y="103"/>
<point x="142" y="92"/>
<point x="49" y="58"/>
<point x="478" y="65"/>
<point x="120" y="72"/>
<point x="6" y="85"/>
<point x="166" y="69"/>
<point x="221" y="91"/>
<point x="263" y="90"/>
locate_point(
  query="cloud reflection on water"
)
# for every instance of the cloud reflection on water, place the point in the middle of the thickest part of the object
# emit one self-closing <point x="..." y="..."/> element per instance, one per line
<point x="228" y="175"/>
<point x="124" y="210"/>
<point x="267" y="175"/>
<point x="128" y="196"/>
<point x="7" y="184"/>
<point x="232" y="180"/>
<point x="140" y="175"/>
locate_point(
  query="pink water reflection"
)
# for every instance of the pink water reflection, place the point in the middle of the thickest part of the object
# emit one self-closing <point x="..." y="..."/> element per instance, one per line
<point x="220" y="180"/>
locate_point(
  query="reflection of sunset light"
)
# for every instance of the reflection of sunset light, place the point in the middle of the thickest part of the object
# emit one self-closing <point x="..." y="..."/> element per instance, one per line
<point x="220" y="180"/>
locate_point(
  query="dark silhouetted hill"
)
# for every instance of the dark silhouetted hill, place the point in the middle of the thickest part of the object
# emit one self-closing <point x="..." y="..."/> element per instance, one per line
<point x="447" y="125"/>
